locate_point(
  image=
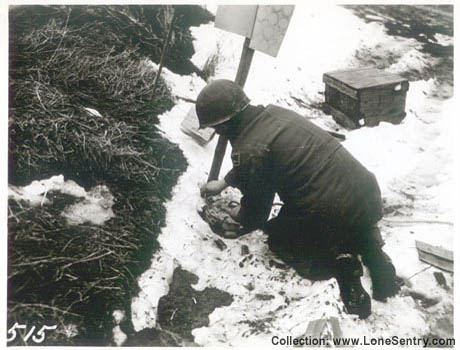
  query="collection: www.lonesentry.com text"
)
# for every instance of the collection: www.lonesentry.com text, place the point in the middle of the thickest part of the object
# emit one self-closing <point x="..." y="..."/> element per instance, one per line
<point x="363" y="341"/>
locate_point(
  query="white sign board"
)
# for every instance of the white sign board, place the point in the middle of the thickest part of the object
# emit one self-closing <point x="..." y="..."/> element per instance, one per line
<point x="236" y="19"/>
<point x="269" y="28"/>
<point x="265" y="25"/>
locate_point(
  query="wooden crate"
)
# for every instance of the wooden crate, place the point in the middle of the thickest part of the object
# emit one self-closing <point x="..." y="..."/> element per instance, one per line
<point x="436" y="256"/>
<point x="190" y="126"/>
<point x="365" y="96"/>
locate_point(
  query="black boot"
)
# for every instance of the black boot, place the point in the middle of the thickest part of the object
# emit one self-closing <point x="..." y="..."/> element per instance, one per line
<point x="348" y="274"/>
<point x="385" y="283"/>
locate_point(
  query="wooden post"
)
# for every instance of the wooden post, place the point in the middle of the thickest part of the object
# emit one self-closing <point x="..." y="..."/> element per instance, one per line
<point x="240" y="79"/>
<point x="172" y="17"/>
<point x="245" y="63"/>
<point x="219" y="154"/>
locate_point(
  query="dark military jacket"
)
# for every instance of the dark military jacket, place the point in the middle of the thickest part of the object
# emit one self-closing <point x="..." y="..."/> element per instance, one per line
<point x="277" y="150"/>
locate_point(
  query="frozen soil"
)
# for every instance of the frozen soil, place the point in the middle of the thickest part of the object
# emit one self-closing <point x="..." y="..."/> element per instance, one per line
<point x="184" y="308"/>
<point x="181" y="311"/>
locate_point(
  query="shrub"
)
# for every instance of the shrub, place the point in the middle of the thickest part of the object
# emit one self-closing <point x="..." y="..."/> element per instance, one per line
<point x="64" y="60"/>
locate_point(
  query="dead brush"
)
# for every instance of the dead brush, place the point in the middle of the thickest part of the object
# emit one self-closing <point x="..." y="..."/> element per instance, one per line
<point x="55" y="91"/>
<point x="65" y="60"/>
<point x="211" y="64"/>
<point x="58" y="272"/>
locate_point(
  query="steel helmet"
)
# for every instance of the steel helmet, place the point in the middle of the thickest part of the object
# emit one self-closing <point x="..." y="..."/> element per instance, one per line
<point x="219" y="101"/>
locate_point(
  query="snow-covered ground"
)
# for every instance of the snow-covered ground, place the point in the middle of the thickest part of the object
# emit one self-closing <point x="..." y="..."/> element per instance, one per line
<point x="413" y="162"/>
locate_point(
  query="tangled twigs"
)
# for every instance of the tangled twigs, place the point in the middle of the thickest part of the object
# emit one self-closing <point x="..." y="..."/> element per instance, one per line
<point x="43" y="306"/>
<point x="66" y="62"/>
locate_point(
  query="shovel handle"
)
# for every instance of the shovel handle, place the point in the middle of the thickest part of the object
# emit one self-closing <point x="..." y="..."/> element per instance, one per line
<point x="241" y="75"/>
<point x="218" y="159"/>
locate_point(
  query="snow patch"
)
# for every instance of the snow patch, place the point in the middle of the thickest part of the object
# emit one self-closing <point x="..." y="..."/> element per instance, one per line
<point x="118" y="336"/>
<point x="94" y="206"/>
<point x="412" y="60"/>
<point x="154" y="283"/>
<point x="444" y="40"/>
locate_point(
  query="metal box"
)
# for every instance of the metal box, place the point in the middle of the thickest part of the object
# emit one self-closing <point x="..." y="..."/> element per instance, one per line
<point x="365" y="96"/>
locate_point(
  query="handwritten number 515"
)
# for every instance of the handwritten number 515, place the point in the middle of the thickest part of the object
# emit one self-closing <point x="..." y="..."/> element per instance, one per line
<point x="38" y="338"/>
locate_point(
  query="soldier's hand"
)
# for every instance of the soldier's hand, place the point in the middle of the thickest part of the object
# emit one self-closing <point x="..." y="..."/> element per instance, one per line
<point x="243" y="230"/>
<point x="213" y="187"/>
<point x="235" y="212"/>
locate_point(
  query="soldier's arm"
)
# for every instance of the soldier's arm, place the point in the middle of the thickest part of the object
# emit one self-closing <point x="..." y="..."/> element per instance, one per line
<point x="255" y="209"/>
<point x="213" y="187"/>
<point x="250" y="174"/>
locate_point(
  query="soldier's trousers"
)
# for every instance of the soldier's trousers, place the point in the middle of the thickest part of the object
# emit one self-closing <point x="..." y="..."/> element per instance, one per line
<point x="315" y="243"/>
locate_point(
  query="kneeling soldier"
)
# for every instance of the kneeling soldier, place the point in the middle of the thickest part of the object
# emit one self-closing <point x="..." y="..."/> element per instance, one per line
<point x="331" y="202"/>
